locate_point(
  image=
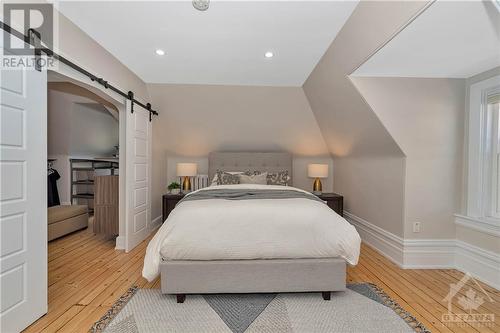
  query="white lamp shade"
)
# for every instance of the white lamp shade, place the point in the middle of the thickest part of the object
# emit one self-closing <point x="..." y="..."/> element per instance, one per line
<point x="317" y="170"/>
<point x="187" y="169"/>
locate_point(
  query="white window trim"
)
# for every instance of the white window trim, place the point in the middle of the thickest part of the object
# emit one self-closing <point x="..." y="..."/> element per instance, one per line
<point x="480" y="152"/>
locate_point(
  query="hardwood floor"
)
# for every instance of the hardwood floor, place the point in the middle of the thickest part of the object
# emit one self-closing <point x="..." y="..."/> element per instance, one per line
<point x="86" y="276"/>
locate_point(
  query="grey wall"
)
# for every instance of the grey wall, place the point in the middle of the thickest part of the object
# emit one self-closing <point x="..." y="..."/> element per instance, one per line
<point x="198" y="119"/>
<point x="366" y="155"/>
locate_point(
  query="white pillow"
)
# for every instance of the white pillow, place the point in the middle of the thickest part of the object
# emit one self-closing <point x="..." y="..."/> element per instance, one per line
<point x="214" y="180"/>
<point x="260" y="179"/>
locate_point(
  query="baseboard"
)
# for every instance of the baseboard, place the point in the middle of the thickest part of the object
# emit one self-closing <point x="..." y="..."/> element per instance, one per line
<point x="481" y="264"/>
<point x="120" y="243"/>
<point x="388" y="244"/>
<point x="155" y="223"/>
<point x="430" y="253"/>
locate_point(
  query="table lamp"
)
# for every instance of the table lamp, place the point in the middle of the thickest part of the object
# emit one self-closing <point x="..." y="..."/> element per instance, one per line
<point x="317" y="171"/>
<point x="186" y="170"/>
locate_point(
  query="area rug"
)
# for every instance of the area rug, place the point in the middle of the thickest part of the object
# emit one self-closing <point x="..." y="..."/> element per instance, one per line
<point x="362" y="307"/>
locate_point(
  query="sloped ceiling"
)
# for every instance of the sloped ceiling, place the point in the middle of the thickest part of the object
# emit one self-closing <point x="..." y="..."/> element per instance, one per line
<point x="349" y="125"/>
<point x="369" y="165"/>
<point x="451" y="39"/>
<point x="78" y="126"/>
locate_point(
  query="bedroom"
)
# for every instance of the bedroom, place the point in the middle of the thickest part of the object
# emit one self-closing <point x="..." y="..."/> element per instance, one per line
<point x="384" y="103"/>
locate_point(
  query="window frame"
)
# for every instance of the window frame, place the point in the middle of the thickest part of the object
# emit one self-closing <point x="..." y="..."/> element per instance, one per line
<point x="482" y="194"/>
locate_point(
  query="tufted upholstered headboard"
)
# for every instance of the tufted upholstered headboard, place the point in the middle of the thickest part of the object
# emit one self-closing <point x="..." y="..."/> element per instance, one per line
<point x="244" y="161"/>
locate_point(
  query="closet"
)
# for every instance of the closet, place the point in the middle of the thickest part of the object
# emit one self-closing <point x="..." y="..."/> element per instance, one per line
<point x="83" y="135"/>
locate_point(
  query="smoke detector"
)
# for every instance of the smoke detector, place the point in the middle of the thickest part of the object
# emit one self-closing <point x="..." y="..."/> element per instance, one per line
<point x="201" y="5"/>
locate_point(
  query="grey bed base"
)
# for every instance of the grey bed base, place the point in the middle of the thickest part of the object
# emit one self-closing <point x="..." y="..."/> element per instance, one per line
<point x="181" y="277"/>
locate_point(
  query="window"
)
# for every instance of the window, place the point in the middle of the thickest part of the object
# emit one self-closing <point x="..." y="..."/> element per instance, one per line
<point x="483" y="183"/>
<point x="494" y="111"/>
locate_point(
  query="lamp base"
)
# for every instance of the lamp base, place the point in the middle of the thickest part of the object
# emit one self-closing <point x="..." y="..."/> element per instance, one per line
<point x="186" y="185"/>
<point x="317" y="186"/>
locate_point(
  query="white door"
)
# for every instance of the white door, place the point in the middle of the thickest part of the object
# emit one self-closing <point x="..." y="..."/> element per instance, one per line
<point x="23" y="197"/>
<point x="138" y="174"/>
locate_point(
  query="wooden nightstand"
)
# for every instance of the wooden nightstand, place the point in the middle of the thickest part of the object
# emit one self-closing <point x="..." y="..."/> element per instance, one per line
<point x="334" y="201"/>
<point x="169" y="202"/>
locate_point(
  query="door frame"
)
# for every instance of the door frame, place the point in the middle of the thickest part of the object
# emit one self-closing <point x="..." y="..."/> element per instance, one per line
<point x="66" y="73"/>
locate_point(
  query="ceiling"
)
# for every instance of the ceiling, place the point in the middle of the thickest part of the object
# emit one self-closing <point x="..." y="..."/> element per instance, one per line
<point x="449" y="39"/>
<point x="224" y="45"/>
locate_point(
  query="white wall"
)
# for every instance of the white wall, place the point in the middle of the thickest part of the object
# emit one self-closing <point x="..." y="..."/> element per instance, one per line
<point x="197" y="119"/>
<point x="426" y="118"/>
<point x="366" y="154"/>
<point x="373" y="189"/>
<point x="93" y="131"/>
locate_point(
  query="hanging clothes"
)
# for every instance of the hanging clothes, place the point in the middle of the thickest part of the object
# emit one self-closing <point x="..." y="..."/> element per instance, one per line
<point x="52" y="195"/>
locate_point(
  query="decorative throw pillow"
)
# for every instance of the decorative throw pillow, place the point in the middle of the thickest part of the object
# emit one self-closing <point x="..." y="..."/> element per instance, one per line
<point x="278" y="178"/>
<point x="260" y="178"/>
<point x="226" y="178"/>
<point x="214" y="180"/>
<point x="252" y="173"/>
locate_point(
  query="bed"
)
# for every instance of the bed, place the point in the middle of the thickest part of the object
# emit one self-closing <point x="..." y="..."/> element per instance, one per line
<point x="270" y="239"/>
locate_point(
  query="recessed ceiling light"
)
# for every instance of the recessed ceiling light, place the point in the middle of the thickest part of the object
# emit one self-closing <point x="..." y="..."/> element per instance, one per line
<point x="160" y="52"/>
<point x="268" y="54"/>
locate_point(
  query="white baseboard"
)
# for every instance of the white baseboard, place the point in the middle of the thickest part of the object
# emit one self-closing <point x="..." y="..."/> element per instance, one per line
<point x="120" y="243"/>
<point x="155" y="223"/>
<point x="390" y="245"/>
<point x="481" y="264"/>
<point x="430" y="253"/>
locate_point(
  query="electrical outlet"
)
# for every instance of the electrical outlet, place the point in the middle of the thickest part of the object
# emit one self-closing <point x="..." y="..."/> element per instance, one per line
<point x="416" y="227"/>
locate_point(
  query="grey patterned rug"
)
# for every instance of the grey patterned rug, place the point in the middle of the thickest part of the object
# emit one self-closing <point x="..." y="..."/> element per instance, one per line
<point x="361" y="308"/>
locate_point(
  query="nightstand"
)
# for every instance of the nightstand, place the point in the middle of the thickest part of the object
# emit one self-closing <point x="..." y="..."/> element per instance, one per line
<point x="334" y="201"/>
<point x="169" y="202"/>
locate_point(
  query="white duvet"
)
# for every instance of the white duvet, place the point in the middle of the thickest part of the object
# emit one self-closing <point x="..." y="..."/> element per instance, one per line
<point x="218" y="229"/>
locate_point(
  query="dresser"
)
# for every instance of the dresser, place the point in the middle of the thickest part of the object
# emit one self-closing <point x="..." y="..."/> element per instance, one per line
<point x="106" y="205"/>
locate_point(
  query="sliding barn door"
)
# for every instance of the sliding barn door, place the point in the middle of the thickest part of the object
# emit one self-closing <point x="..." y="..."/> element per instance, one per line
<point x="23" y="196"/>
<point x="138" y="173"/>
